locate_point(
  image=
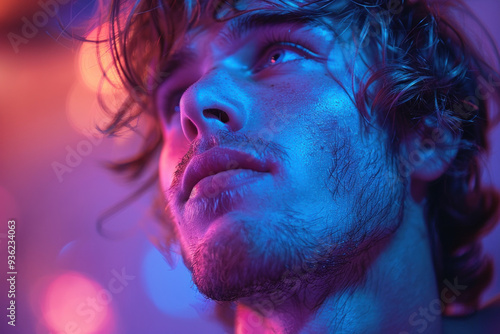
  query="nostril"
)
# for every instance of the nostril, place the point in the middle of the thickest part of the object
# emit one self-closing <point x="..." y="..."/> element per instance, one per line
<point x="216" y="113"/>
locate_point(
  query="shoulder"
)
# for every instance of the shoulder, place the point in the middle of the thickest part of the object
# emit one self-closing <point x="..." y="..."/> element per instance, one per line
<point x="486" y="320"/>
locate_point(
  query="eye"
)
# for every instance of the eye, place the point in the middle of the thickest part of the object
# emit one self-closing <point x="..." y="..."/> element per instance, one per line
<point x="280" y="54"/>
<point x="277" y="57"/>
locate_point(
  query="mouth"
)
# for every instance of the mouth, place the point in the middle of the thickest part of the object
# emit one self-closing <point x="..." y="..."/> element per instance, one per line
<point x="218" y="170"/>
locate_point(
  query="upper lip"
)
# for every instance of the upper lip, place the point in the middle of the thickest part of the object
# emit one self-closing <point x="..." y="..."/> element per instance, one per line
<point x="217" y="160"/>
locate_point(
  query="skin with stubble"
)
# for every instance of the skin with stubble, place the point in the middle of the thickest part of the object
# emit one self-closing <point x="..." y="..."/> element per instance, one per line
<point x="283" y="201"/>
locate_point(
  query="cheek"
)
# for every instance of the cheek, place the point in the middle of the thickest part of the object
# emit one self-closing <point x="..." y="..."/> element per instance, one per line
<point x="175" y="146"/>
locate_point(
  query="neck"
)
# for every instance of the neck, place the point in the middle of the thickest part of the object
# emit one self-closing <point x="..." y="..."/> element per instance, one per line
<point x="393" y="298"/>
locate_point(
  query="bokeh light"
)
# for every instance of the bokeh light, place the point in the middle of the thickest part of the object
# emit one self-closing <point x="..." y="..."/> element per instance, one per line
<point x="91" y="64"/>
<point x="84" y="111"/>
<point x="74" y="303"/>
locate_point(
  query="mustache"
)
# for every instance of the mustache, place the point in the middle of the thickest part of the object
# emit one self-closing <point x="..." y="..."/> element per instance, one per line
<point x="259" y="147"/>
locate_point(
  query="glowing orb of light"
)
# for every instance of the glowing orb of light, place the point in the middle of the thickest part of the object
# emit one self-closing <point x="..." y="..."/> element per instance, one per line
<point x="74" y="303"/>
<point x="92" y="63"/>
<point x="169" y="289"/>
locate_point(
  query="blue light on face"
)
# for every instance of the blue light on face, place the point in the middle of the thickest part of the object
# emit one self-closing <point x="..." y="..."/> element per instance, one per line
<point x="169" y="289"/>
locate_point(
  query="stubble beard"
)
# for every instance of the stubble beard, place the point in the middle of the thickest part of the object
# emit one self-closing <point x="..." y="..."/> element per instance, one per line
<point x="277" y="258"/>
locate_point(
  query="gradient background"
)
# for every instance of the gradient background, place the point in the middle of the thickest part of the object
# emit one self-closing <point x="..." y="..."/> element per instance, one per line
<point x="67" y="271"/>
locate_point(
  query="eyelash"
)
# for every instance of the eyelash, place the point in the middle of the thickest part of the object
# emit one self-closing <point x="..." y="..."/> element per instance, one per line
<point x="273" y="36"/>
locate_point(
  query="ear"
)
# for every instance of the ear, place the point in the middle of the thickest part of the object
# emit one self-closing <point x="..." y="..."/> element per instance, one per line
<point x="428" y="152"/>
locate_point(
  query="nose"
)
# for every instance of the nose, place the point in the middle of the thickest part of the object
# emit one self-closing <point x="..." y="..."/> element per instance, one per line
<point x="213" y="103"/>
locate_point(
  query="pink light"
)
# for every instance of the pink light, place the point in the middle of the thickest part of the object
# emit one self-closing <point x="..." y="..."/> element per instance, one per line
<point x="83" y="110"/>
<point x="74" y="303"/>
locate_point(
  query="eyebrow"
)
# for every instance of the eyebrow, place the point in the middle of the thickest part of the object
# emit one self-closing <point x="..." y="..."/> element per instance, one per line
<point x="241" y="25"/>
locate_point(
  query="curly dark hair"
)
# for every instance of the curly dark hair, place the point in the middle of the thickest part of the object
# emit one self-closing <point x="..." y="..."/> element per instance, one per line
<point x="424" y="74"/>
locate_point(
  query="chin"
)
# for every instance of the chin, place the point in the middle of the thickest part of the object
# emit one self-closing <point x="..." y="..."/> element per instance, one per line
<point x="236" y="260"/>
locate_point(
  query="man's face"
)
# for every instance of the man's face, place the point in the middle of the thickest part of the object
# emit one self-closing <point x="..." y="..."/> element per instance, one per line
<point x="265" y="164"/>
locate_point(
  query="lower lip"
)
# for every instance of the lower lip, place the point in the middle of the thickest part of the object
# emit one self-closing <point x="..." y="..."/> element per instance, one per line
<point x="214" y="185"/>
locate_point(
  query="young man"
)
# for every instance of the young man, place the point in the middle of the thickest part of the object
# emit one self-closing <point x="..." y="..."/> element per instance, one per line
<point x="319" y="159"/>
